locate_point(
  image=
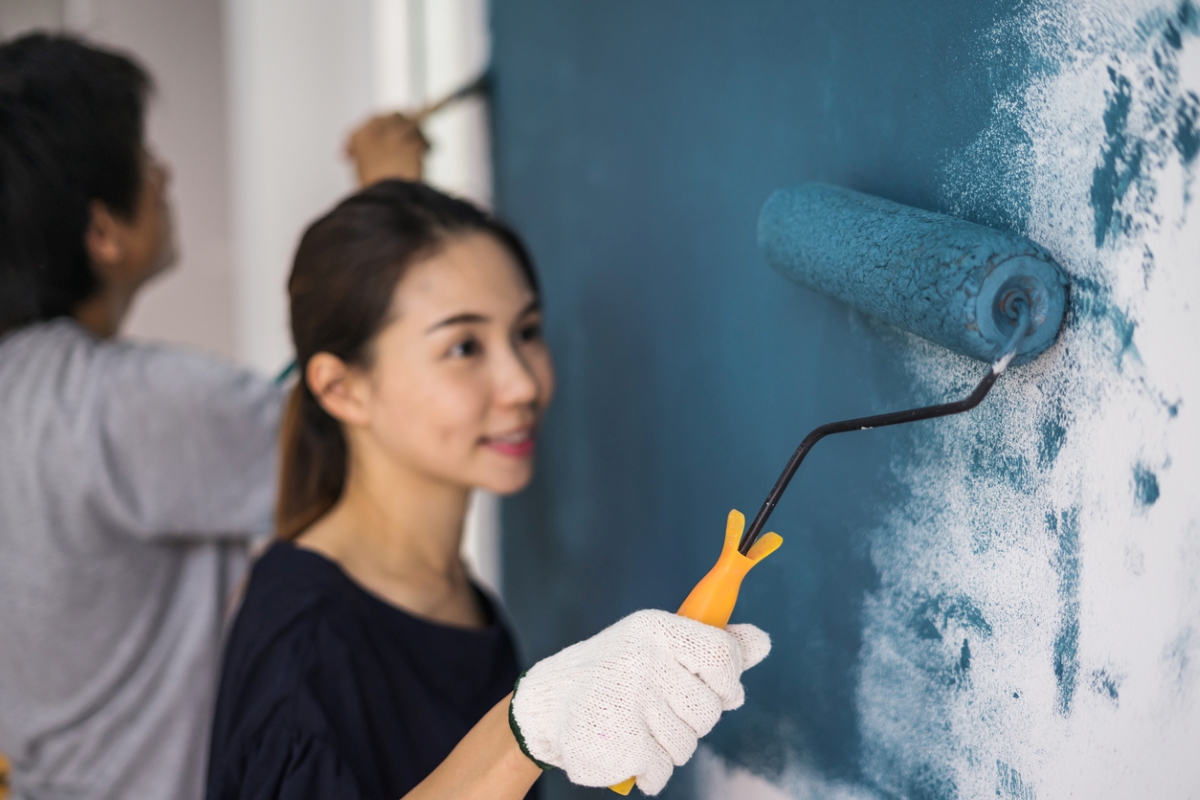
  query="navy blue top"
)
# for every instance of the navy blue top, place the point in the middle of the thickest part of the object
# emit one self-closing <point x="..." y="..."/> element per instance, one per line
<point x="329" y="692"/>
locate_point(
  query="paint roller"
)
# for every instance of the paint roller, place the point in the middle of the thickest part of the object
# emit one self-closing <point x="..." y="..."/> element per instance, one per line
<point x="984" y="293"/>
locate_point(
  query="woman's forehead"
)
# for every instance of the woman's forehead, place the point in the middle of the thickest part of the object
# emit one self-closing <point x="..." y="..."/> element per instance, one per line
<point x="470" y="273"/>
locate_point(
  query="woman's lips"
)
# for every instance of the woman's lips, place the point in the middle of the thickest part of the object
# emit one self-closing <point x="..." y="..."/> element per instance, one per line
<point x="518" y="444"/>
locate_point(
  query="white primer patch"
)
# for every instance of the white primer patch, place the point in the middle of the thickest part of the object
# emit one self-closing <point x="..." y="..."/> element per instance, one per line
<point x="1037" y="628"/>
<point x="719" y="780"/>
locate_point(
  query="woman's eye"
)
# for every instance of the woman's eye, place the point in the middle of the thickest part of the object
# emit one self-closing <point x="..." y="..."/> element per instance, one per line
<point x="531" y="332"/>
<point x="466" y="348"/>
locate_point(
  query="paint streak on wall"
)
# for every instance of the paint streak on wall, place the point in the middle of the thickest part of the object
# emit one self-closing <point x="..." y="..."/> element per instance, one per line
<point x="1036" y="632"/>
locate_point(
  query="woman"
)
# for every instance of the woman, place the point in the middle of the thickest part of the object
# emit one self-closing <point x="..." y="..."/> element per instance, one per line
<point x="363" y="662"/>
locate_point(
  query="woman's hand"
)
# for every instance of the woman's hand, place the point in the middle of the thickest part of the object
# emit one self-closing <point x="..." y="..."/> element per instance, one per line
<point x="387" y="146"/>
<point x="634" y="699"/>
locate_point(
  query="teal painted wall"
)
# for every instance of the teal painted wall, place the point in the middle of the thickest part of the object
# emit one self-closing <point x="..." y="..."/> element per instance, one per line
<point x="939" y="608"/>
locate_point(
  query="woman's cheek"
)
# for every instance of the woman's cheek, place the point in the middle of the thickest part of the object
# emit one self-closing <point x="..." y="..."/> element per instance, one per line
<point x="458" y="409"/>
<point x="546" y="378"/>
<point x="405" y="419"/>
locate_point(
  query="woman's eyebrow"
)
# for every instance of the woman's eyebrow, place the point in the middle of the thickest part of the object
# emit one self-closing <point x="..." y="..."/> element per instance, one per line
<point x="471" y="317"/>
<point x="458" y="319"/>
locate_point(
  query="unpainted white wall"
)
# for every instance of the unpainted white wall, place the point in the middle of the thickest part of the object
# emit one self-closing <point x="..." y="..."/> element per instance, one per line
<point x="299" y="79"/>
<point x="19" y="16"/>
<point x="302" y="74"/>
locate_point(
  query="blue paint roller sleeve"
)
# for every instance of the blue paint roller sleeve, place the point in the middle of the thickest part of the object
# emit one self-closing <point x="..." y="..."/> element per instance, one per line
<point x="943" y="278"/>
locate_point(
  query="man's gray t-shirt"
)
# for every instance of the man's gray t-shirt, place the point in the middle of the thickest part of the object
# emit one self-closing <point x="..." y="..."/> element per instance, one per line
<point x="132" y="478"/>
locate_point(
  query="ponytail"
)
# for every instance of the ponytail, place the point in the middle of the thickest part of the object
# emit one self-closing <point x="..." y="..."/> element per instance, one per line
<point x="312" y="463"/>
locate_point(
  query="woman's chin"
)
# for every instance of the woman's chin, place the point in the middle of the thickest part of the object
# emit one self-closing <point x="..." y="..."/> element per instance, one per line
<point x="511" y="482"/>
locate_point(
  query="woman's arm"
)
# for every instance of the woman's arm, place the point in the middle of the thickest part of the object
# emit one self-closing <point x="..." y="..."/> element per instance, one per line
<point x="487" y="764"/>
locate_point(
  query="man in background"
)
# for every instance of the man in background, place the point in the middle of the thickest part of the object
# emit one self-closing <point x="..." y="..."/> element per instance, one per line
<point x="132" y="476"/>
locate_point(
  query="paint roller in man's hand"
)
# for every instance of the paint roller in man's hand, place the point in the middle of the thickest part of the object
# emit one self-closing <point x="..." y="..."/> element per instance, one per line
<point x="991" y="295"/>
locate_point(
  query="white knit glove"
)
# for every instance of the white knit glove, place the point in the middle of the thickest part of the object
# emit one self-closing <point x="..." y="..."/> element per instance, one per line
<point x="634" y="699"/>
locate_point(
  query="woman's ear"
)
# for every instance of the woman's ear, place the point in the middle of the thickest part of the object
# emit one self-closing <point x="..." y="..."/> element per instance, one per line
<point x="338" y="388"/>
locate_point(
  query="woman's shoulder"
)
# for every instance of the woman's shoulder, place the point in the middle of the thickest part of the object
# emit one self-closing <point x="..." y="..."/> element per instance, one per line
<point x="287" y="635"/>
<point x="305" y="625"/>
<point x="300" y="618"/>
<point x="293" y="594"/>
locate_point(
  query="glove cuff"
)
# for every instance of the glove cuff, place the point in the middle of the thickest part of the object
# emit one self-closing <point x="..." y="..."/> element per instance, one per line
<point x="516" y="729"/>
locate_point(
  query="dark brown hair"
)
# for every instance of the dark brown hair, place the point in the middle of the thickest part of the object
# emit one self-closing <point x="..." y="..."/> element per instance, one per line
<point x="71" y="130"/>
<point x="345" y="272"/>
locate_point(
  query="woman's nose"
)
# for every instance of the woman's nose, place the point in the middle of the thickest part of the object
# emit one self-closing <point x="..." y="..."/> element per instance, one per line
<point x="518" y="385"/>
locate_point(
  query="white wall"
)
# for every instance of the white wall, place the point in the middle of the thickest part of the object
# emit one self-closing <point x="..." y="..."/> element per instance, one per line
<point x="19" y="16"/>
<point x="299" y="79"/>
<point x="423" y="50"/>
<point x="1081" y="549"/>
<point x="302" y="74"/>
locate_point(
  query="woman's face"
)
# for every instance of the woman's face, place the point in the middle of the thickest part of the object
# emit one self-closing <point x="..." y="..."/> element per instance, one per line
<point x="460" y="377"/>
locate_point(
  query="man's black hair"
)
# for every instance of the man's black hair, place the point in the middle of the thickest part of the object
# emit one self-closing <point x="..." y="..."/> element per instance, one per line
<point x="72" y="119"/>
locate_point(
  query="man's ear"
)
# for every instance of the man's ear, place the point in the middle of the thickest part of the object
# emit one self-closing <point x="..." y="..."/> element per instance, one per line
<point x="104" y="240"/>
<point x="338" y="388"/>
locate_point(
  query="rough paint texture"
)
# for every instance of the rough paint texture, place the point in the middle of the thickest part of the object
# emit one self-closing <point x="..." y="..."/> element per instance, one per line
<point x="1083" y="549"/>
<point x="930" y="274"/>
<point x="1004" y="604"/>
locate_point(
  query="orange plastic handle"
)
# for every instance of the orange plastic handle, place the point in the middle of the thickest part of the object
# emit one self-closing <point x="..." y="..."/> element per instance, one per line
<point x="713" y="598"/>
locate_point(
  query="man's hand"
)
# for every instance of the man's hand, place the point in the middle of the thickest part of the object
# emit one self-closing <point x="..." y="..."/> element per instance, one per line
<point x="387" y="146"/>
